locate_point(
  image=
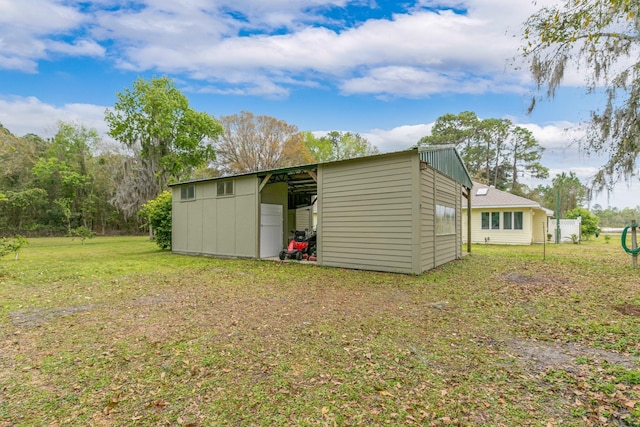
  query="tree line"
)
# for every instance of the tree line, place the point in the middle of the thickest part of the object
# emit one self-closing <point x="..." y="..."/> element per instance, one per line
<point x="76" y="181"/>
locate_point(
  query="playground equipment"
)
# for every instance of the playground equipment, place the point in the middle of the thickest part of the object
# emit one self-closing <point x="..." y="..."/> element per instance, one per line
<point x="634" y="251"/>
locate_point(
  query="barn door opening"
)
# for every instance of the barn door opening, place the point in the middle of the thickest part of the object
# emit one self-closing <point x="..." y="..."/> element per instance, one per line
<point x="270" y="230"/>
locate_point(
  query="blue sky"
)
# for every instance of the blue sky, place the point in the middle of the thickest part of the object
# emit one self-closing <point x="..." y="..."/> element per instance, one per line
<point x="385" y="69"/>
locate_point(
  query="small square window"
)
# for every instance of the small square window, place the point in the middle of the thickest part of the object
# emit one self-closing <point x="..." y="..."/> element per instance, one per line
<point x="225" y="188"/>
<point x="188" y="192"/>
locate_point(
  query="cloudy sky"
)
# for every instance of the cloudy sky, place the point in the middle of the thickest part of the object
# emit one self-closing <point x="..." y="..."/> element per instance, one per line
<point x="386" y="69"/>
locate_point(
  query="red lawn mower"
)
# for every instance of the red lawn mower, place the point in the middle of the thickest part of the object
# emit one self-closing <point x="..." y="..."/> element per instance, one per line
<point x="300" y="247"/>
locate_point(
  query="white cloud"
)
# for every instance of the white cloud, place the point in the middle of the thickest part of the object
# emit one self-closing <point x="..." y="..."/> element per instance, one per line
<point x="398" y="138"/>
<point x="30" y="31"/>
<point x="282" y="43"/>
<point x="30" y="115"/>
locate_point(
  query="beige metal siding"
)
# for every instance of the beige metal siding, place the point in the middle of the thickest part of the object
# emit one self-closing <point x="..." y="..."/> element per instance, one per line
<point x="365" y="215"/>
<point x="217" y="225"/>
<point x="179" y="214"/>
<point x="427" y="218"/>
<point x="447" y="193"/>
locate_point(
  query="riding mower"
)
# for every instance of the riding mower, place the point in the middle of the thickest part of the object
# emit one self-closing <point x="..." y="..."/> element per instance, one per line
<point x="300" y="247"/>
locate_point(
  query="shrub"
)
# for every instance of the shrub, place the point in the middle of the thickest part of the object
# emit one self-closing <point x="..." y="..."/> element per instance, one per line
<point x="13" y="244"/>
<point x="589" y="224"/>
<point x="157" y="213"/>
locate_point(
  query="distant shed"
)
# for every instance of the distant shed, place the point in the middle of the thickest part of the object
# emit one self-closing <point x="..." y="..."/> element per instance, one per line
<point x="396" y="212"/>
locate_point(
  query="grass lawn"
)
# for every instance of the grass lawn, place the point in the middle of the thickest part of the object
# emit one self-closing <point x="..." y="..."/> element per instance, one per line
<point x="117" y="332"/>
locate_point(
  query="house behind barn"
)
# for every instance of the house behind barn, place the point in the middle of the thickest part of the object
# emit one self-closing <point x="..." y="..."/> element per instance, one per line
<point x="396" y="212"/>
<point x="499" y="217"/>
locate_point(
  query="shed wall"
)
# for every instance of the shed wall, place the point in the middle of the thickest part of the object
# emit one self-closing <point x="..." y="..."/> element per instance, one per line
<point x="365" y="214"/>
<point x="448" y="247"/>
<point x="209" y="224"/>
<point x="427" y="218"/>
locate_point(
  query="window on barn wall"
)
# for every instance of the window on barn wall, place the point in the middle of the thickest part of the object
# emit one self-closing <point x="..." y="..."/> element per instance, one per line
<point x="225" y="188"/>
<point x="445" y="220"/>
<point x="188" y="192"/>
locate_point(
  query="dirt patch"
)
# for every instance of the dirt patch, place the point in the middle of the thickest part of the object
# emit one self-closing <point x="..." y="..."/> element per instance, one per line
<point x="36" y="317"/>
<point x="628" y="309"/>
<point x="521" y="279"/>
<point x="546" y="355"/>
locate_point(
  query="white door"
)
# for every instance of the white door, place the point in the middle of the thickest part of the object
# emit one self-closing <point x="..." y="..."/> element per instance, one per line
<point x="270" y="230"/>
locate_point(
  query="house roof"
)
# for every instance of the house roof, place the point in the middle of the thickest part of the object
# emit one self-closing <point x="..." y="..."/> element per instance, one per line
<point x="486" y="196"/>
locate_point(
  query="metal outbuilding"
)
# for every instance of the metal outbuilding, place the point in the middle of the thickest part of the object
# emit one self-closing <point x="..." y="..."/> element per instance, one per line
<point x="396" y="212"/>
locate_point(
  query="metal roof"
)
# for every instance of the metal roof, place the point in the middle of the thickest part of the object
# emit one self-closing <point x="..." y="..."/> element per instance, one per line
<point x="446" y="159"/>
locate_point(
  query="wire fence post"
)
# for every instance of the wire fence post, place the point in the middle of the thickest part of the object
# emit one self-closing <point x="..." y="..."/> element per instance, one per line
<point x="634" y="243"/>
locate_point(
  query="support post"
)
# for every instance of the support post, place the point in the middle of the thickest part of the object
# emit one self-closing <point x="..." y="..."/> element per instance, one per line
<point x="468" y="220"/>
<point x="634" y="243"/>
<point x="558" y="216"/>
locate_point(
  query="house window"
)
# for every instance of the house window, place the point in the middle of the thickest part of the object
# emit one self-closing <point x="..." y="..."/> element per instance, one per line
<point x="490" y="220"/>
<point x="512" y="220"/>
<point x="485" y="220"/>
<point x="445" y="220"/>
<point x="495" y="220"/>
<point x="518" y="221"/>
<point x="188" y="192"/>
<point x="507" y="224"/>
<point x="225" y="188"/>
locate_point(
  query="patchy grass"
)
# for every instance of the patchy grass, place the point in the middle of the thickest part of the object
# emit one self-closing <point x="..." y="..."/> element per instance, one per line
<point x="115" y="332"/>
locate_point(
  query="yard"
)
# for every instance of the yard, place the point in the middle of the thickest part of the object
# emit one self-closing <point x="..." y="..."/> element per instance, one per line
<point x="116" y="332"/>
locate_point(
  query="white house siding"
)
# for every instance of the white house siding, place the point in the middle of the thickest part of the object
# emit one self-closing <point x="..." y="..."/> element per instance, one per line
<point x="501" y="237"/>
<point x="225" y="226"/>
<point x="447" y="193"/>
<point x="365" y="214"/>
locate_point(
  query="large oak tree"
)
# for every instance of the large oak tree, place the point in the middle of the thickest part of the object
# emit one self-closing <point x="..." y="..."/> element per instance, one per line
<point x="167" y="139"/>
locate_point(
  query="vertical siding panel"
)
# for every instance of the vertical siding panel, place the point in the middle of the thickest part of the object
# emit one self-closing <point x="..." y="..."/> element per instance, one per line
<point x="179" y="242"/>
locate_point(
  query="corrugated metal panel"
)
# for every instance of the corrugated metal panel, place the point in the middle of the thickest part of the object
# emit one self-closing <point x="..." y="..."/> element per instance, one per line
<point x="445" y="158"/>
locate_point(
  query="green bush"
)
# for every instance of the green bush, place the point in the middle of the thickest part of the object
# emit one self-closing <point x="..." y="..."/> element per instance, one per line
<point x="83" y="233"/>
<point x="13" y="244"/>
<point x="157" y="213"/>
<point x="589" y="224"/>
